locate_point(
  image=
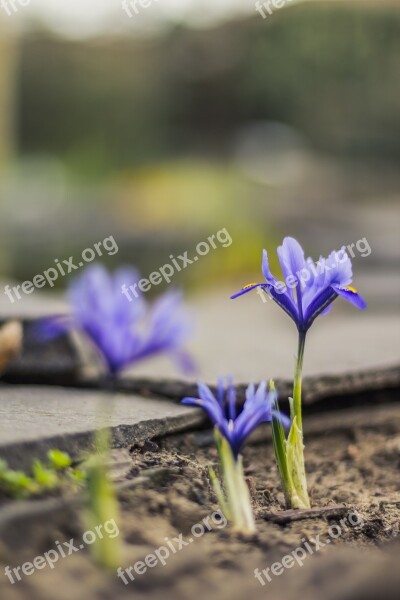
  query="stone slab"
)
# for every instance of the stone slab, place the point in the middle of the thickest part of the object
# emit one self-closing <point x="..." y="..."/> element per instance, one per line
<point x="36" y="419"/>
<point x="254" y="341"/>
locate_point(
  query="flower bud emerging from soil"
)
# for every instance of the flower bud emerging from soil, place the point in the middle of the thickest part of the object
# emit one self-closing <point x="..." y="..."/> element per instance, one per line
<point x="232" y="428"/>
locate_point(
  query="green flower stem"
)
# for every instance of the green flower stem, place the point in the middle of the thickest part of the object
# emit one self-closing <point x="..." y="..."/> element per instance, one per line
<point x="298" y="375"/>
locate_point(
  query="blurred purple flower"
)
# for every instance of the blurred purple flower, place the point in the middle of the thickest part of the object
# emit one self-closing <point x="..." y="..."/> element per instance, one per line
<point x="124" y="332"/>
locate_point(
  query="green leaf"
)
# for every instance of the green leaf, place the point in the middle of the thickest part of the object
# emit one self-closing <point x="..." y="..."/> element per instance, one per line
<point x="237" y="492"/>
<point x="292" y="411"/>
<point x="279" y="441"/>
<point x="44" y="477"/>
<point x="295" y="463"/>
<point x="16" y="483"/>
<point x="102" y="503"/>
<point x="219" y="493"/>
<point x="77" y="475"/>
<point x="59" y="460"/>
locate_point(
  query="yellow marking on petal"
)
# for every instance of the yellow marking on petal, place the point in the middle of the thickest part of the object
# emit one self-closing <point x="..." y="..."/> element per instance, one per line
<point x="249" y="285"/>
<point x="351" y="289"/>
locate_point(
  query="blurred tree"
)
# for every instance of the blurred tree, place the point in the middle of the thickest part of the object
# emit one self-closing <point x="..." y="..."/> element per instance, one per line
<point x="7" y="89"/>
<point x="332" y="71"/>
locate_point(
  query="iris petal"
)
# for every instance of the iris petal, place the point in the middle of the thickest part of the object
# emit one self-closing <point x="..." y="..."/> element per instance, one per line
<point x="351" y="295"/>
<point x="266" y="270"/>
<point x="184" y="362"/>
<point x="250" y="391"/>
<point x="284" y="301"/>
<point x="247" y="288"/>
<point x="261" y="392"/>
<point x="213" y="410"/>
<point x="340" y="272"/>
<point x="291" y="257"/>
<point x="282" y="418"/>
<point x="246" y="423"/>
<point x="318" y="305"/>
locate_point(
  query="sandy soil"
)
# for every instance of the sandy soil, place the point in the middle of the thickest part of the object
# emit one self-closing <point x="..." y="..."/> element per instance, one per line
<point x="353" y="463"/>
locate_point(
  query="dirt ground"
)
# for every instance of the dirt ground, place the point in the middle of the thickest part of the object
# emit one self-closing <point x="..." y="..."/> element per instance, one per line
<point x="347" y="547"/>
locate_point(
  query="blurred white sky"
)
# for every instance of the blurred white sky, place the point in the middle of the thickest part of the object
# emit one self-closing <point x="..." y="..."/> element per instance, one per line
<point x="86" y="17"/>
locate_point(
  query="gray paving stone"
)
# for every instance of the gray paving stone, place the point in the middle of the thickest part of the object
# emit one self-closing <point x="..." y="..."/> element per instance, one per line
<point x="253" y="340"/>
<point x="35" y="419"/>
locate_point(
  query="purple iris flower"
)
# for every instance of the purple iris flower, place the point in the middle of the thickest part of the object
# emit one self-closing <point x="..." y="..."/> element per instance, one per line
<point x="124" y="332"/>
<point x="309" y="288"/>
<point x="235" y="426"/>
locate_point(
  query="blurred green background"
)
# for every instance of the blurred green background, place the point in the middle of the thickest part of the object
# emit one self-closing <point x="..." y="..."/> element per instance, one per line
<point x="161" y="136"/>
